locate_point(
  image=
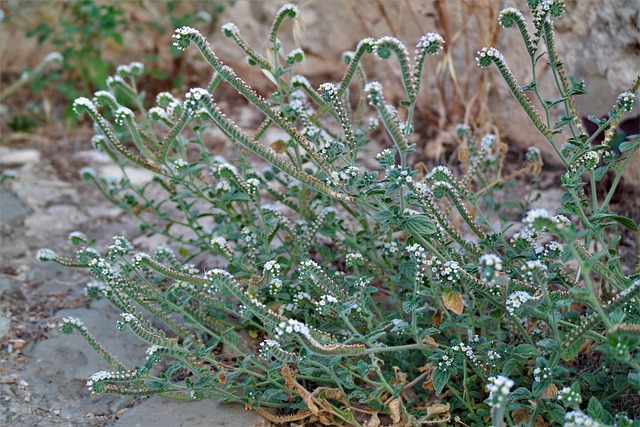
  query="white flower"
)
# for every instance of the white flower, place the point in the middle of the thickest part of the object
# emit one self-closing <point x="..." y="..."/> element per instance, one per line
<point x="499" y="388"/>
<point x="515" y="301"/>
<point x="230" y="29"/>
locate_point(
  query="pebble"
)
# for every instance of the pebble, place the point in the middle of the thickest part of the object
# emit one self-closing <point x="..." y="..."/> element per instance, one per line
<point x="56" y="411"/>
<point x="23" y="383"/>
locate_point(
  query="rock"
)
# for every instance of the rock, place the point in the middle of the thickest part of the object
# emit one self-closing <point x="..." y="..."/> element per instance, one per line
<point x="7" y="284"/>
<point x="137" y="176"/>
<point x="5" y="327"/>
<point x="159" y="412"/>
<point x="12" y="210"/>
<point x="18" y="157"/>
<point x="60" y="365"/>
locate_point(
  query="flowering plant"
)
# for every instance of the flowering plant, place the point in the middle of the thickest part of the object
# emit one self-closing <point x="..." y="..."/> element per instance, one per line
<point x="354" y="289"/>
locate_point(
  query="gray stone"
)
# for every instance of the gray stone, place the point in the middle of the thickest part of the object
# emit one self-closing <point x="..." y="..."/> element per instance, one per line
<point x="159" y="412"/>
<point x="12" y="210"/>
<point x="5" y="326"/>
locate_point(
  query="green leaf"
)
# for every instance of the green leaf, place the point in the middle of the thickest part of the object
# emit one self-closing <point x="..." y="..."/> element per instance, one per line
<point x="623" y="220"/>
<point x="526" y="351"/>
<point x="596" y="120"/>
<point x="510" y="366"/>
<point x="572" y="351"/>
<point x="627" y="145"/>
<point x="440" y="379"/>
<point x="598" y="174"/>
<point x="419" y="224"/>
<point x="595" y="408"/>
<point x="634" y="379"/>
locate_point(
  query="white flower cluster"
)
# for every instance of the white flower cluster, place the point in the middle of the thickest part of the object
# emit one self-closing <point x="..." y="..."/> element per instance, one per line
<point x="324" y="302"/>
<point x="121" y="114"/>
<point x="493" y="355"/>
<point x="53" y="57"/>
<point x="533" y="154"/>
<point x="491" y="261"/>
<point x="46" y="255"/>
<point x="98" y="286"/>
<point x="535" y="214"/>
<point x="631" y="288"/>
<point x="383" y="49"/>
<point x="541" y="374"/>
<point x="328" y="90"/>
<point x="486" y="143"/>
<point x="180" y="165"/>
<point x="363" y="282"/>
<point x="430" y="42"/>
<point x="102" y="269"/>
<point x="439" y="172"/>
<point x="588" y="160"/>
<point x="531" y="267"/>
<point x="103" y="97"/>
<point x="82" y="104"/>
<point x="189" y="268"/>
<point x="272" y="267"/>
<point x="135" y="68"/>
<point x="499" y="388"/>
<point x="487" y="55"/>
<point x="445" y="363"/>
<point x="216" y="272"/>
<point x="625" y="101"/>
<point x="578" y="418"/>
<point x="266" y="347"/>
<point x="113" y="81"/>
<point x="291" y="326"/>
<point x="275" y="286"/>
<point x="249" y="236"/>
<point x="490" y="268"/>
<point x="569" y="396"/>
<point x="182" y="36"/>
<point x="390" y="248"/>
<point x="221" y="244"/>
<point x="230" y="29"/>
<point x="508" y="16"/>
<point x="345" y="175"/>
<point x="71" y="320"/>
<point x="448" y="272"/>
<point x="368" y="43"/>
<point x="374" y="93"/>
<point x="290" y="9"/>
<point x="515" y="301"/>
<point x="467" y="351"/>
<point x="106" y="376"/>
<point x="551" y="250"/>
<point x="296" y="55"/>
<point x="298" y="80"/>
<point x="354" y="259"/>
<point x="152" y="350"/>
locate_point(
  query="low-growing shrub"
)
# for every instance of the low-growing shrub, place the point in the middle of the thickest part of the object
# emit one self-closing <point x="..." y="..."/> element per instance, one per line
<point x="337" y="285"/>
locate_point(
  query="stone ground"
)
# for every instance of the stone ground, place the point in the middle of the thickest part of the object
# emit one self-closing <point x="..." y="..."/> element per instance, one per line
<point x="43" y="372"/>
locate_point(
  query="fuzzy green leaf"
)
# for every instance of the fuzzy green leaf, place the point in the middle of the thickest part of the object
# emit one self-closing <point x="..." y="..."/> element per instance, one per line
<point x="419" y="224"/>
<point x="440" y="379"/>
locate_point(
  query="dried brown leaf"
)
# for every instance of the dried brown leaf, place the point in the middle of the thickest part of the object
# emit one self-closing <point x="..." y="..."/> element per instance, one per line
<point x="437" y="318"/>
<point x="550" y="392"/>
<point x="278" y="146"/>
<point x="374" y="421"/>
<point x="453" y="301"/>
